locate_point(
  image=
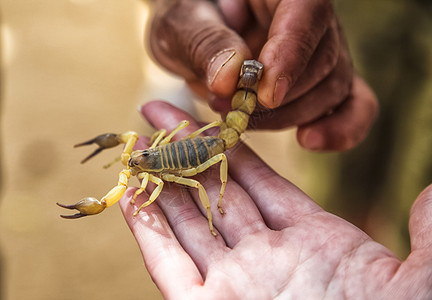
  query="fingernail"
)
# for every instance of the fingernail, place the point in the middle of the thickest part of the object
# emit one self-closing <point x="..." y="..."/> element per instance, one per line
<point x="217" y="63"/>
<point x="313" y="140"/>
<point x="281" y="88"/>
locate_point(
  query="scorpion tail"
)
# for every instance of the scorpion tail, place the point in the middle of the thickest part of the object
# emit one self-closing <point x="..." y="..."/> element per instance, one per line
<point x="243" y="103"/>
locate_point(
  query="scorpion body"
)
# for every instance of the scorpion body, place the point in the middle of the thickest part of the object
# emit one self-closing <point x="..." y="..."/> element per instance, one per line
<point x="178" y="156"/>
<point x="179" y="160"/>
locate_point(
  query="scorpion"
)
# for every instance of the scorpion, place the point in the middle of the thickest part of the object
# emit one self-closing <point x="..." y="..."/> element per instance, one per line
<point x="177" y="161"/>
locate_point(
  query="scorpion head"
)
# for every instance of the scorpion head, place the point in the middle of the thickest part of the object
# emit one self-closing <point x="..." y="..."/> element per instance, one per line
<point x="145" y="160"/>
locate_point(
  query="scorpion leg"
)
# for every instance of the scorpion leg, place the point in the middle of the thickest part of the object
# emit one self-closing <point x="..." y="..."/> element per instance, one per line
<point x="145" y="179"/>
<point x="179" y="127"/>
<point x="156" y="138"/>
<point x="115" y="160"/>
<point x="153" y="195"/>
<point x="223" y="174"/>
<point x="158" y="135"/>
<point x="202" y="129"/>
<point x="201" y="192"/>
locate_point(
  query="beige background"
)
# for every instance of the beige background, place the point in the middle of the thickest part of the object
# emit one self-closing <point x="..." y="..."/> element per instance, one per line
<point x="73" y="69"/>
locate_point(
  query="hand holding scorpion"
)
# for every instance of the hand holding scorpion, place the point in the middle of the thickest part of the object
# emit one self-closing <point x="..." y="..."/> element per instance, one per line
<point x="308" y="83"/>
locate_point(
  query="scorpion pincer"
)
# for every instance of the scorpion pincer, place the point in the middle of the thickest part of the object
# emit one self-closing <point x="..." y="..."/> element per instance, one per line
<point x="179" y="160"/>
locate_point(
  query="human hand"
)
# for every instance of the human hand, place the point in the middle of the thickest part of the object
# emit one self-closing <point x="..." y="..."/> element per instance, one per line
<point x="274" y="241"/>
<point x="308" y="79"/>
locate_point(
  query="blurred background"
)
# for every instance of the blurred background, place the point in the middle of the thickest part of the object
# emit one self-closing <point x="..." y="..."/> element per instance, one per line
<point x="72" y="69"/>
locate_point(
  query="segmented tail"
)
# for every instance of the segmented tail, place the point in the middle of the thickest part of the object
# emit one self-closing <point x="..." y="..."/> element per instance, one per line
<point x="242" y="104"/>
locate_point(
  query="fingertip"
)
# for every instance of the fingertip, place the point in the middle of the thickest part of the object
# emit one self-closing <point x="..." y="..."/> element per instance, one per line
<point x="161" y="114"/>
<point x="330" y="134"/>
<point x="420" y="224"/>
<point x="347" y="126"/>
<point x="281" y="89"/>
<point x="152" y="104"/>
<point x="219" y="63"/>
<point x="224" y="69"/>
<point x="310" y="139"/>
<point x="154" y="107"/>
<point x="126" y="207"/>
<point x="274" y="86"/>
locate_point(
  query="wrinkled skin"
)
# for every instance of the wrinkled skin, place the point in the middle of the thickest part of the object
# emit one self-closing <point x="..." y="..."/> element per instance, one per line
<point x="274" y="241"/>
<point x="308" y="79"/>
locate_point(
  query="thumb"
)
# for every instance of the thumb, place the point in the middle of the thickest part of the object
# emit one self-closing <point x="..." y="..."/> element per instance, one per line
<point x="420" y="223"/>
<point x="191" y="39"/>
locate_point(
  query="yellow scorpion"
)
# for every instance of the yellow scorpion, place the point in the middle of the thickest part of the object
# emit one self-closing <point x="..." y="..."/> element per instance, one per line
<point x="175" y="161"/>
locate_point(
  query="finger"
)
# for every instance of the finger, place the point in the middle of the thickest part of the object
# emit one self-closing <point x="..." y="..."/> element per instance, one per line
<point x="327" y="56"/>
<point x="190" y="226"/>
<point x="317" y="102"/>
<point x="347" y="126"/>
<point x="414" y="273"/>
<point x="296" y="30"/>
<point x="280" y="202"/>
<point x="242" y="217"/>
<point x="235" y="13"/>
<point x="164" y="257"/>
<point x="191" y="39"/>
<point x="420" y="223"/>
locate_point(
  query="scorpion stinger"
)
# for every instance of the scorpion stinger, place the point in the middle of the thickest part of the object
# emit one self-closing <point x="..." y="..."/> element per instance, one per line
<point x="179" y="160"/>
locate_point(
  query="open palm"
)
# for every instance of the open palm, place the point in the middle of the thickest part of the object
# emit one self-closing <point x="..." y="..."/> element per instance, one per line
<point x="273" y="242"/>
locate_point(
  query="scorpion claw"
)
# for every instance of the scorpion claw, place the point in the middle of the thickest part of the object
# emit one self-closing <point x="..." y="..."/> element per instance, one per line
<point x="94" y="153"/>
<point x="86" y="206"/>
<point x="104" y="141"/>
<point x="75" y="216"/>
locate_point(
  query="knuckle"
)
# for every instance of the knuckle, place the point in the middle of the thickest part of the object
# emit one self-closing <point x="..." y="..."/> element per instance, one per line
<point x="341" y="90"/>
<point x="304" y="45"/>
<point x="328" y="52"/>
<point x="341" y="139"/>
<point x="204" y="44"/>
<point x="323" y="11"/>
<point x="181" y="33"/>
